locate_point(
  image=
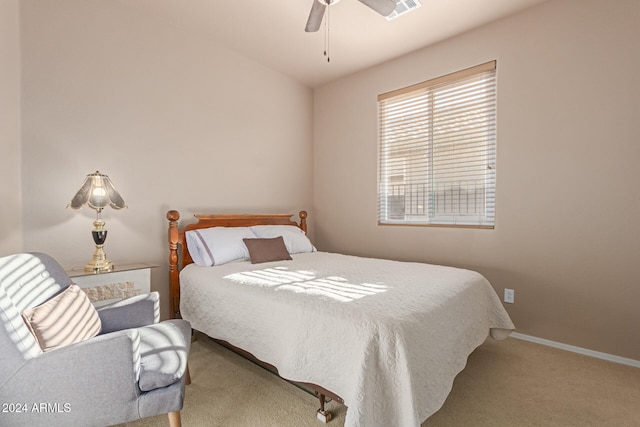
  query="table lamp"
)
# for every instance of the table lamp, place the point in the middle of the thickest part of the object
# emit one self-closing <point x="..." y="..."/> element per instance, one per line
<point x="97" y="192"/>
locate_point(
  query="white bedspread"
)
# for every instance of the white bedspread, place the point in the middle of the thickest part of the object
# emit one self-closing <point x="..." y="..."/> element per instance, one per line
<point x="388" y="337"/>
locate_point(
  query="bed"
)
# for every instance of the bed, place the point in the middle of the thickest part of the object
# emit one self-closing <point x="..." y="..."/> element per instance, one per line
<point x="385" y="338"/>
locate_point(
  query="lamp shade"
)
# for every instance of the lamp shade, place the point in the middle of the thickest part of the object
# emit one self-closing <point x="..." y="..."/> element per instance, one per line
<point x="97" y="192"/>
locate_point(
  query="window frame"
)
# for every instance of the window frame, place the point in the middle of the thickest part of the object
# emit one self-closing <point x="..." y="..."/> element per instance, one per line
<point x="474" y="156"/>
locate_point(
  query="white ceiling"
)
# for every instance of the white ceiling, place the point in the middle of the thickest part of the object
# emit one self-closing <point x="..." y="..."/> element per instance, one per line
<point x="272" y="32"/>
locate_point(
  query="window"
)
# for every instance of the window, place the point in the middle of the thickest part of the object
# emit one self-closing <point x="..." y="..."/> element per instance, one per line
<point x="437" y="158"/>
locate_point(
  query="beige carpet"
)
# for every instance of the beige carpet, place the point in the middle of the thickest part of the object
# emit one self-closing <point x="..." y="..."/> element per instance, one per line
<point x="506" y="383"/>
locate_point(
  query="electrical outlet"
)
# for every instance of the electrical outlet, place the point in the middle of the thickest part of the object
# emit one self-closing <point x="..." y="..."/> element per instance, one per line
<point x="509" y="295"/>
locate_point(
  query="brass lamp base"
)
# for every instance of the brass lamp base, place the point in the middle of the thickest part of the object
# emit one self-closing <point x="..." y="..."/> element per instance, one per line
<point x="99" y="263"/>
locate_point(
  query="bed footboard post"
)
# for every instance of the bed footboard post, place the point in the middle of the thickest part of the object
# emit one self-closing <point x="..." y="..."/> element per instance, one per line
<point x="174" y="284"/>
<point x="303" y="220"/>
<point x="322" y="415"/>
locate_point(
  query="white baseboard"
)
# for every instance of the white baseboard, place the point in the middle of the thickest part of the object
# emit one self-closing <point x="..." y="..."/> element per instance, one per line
<point x="580" y="350"/>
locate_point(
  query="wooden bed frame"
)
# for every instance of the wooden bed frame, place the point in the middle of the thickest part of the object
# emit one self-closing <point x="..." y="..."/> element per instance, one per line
<point x="177" y="238"/>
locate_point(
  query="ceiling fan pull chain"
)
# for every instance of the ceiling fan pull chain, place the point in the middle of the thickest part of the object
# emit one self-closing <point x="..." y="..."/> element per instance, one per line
<point x="325" y="39"/>
<point x="327" y="45"/>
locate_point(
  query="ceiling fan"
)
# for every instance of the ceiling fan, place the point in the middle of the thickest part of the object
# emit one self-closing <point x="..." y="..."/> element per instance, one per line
<point x="383" y="7"/>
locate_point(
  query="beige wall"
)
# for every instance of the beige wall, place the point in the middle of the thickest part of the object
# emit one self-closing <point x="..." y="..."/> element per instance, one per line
<point x="175" y="120"/>
<point x="567" y="235"/>
<point x="107" y="87"/>
<point x="10" y="207"/>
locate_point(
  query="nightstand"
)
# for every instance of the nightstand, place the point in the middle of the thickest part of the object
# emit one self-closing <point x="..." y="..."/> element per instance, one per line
<point x="122" y="282"/>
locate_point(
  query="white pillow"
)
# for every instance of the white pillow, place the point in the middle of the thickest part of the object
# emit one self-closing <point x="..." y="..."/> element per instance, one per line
<point x="218" y="245"/>
<point x="294" y="238"/>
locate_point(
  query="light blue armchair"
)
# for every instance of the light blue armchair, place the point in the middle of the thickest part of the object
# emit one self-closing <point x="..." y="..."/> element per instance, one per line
<point x="135" y="368"/>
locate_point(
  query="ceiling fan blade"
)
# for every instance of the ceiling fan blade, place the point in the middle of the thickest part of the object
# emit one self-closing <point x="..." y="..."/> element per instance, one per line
<point x="315" y="16"/>
<point x="383" y="7"/>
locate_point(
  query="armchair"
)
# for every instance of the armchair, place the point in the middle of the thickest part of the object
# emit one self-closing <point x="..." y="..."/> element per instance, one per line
<point x="134" y="368"/>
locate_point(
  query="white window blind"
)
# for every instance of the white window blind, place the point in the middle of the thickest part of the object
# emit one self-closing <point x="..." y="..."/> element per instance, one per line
<point x="437" y="151"/>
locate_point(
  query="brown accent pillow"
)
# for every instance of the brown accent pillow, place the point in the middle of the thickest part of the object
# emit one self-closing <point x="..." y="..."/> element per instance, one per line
<point x="65" y="319"/>
<point x="265" y="250"/>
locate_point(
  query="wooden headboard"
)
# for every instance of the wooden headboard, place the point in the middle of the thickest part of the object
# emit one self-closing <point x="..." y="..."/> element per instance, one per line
<point x="176" y="238"/>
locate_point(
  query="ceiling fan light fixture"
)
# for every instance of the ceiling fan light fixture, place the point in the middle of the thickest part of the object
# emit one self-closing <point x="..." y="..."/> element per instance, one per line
<point x="402" y="7"/>
<point x="318" y="8"/>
